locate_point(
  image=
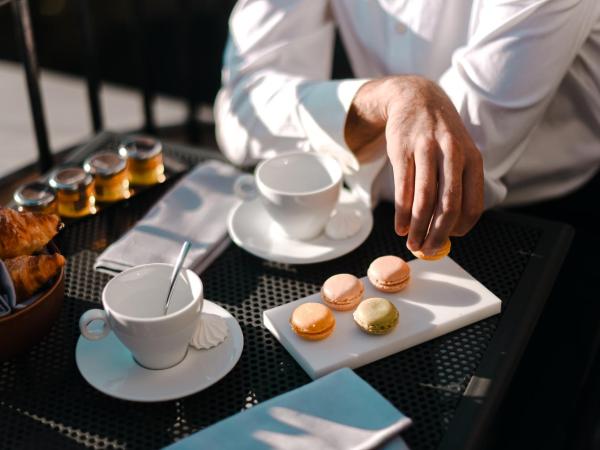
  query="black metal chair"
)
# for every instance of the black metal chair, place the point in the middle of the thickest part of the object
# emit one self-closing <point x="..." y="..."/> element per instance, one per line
<point x="191" y="76"/>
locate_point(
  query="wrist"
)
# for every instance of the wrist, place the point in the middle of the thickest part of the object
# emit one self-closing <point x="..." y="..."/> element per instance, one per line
<point x="366" y="117"/>
<point x="374" y="102"/>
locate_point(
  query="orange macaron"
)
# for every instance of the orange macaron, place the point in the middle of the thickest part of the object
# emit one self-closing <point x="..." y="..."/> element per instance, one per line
<point x="389" y="273"/>
<point x="342" y="292"/>
<point x="312" y="321"/>
<point x="441" y="252"/>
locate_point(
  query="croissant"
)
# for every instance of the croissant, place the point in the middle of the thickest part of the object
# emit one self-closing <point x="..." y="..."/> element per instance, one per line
<point x="30" y="273"/>
<point x="25" y="233"/>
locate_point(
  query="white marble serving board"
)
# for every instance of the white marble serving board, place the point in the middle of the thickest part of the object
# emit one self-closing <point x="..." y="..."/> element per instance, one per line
<point x="441" y="297"/>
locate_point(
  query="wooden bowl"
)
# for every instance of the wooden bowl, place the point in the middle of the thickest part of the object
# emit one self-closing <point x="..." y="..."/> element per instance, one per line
<point x="21" y="330"/>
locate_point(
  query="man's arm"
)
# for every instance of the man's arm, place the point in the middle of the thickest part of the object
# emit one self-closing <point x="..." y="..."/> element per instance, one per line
<point x="501" y="82"/>
<point x="438" y="171"/>
<point x="277" y="94"/>
<point x="504" y="79"/>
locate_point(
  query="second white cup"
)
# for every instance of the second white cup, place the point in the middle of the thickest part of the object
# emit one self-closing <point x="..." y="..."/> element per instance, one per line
<point x="299" y="191"/>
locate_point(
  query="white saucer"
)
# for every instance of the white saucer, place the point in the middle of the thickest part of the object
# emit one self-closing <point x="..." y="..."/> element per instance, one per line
<point x="251" y="227"/>
<point x="109" y="367"/>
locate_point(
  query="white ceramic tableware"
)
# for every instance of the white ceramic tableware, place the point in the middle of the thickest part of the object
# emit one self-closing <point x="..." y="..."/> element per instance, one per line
<point x="299" y="191"/>
<point x="253" y="229"/>
<point x="107" y="366"/>
<point x="133" y="309"/>
<point x="441" y="297"/>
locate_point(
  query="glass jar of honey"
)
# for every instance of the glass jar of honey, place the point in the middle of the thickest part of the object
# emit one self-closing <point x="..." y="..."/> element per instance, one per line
<point x="75" y="192"/>
<point x="111" y="181"/>
<point x="144" y="160"/>
<point x="35" y="197"/>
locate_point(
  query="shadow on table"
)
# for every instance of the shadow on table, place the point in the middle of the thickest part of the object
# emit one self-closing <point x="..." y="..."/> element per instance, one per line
<point x="441" y="293"/>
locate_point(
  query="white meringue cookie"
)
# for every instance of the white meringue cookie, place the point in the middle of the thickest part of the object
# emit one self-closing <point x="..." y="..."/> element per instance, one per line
<point x="211" y="331"/>
<point x="344" y="223"/>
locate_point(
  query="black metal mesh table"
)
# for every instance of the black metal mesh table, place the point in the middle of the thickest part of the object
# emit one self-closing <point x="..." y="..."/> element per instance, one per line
<point x="450" y="386"/>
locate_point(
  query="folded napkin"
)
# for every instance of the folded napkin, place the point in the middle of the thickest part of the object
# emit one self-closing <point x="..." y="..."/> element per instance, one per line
<point x="337" y="411"/>
<point x="8" y="299"/>
<point x="195" y="209"/>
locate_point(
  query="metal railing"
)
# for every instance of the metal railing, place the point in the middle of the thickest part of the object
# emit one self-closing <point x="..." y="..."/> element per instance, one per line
<point x="139" y="22"/>
<point x="25" y="41"/>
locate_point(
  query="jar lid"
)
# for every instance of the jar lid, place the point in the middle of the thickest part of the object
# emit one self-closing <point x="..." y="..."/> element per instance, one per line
<point x="70" y="179"/>
<point x="104" y="164"/>
<point x="34" y="194"/>
<point x="140" y="147"/>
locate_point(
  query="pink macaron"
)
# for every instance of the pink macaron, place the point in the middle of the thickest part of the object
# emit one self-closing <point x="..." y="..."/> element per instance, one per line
<point x="389" y="273"/>
<point x="342" y="292"/>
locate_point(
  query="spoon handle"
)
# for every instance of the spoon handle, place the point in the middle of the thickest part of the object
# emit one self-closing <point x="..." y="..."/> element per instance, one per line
<point x="185" y="248"/>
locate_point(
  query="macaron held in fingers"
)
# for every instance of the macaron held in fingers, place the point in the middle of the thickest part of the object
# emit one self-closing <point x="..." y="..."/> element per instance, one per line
<point x="440" y="253"/>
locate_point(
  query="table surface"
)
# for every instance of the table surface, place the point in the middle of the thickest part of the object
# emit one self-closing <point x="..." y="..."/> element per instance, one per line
<point x="451" y="386"/>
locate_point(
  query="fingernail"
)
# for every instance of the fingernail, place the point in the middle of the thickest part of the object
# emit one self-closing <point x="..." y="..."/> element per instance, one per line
<point x="401" y="230"/>
<point x="412" y="245"/>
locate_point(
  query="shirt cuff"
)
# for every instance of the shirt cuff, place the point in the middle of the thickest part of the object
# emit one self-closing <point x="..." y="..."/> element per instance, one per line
<point x="322" y="109"/>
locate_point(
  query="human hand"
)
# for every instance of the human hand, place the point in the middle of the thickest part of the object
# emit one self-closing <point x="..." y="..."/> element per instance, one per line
<point x="438" y="171"/>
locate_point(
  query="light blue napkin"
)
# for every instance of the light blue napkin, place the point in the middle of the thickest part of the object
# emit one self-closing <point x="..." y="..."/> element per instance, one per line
<point x="8" y="299"/>
<point x="338" y="411"/>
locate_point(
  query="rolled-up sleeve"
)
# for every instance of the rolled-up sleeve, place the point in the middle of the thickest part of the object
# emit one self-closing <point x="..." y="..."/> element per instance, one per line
<point x="276" y="93"/>
<point x="502" y="81"/>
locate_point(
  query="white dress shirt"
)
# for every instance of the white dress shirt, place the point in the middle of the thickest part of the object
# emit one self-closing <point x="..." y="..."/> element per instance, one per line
<point x="523" y="74"/>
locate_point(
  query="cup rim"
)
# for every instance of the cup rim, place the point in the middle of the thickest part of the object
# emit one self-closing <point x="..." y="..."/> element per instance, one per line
<point x="177" y="313"/>
<point x="337" y="178"/>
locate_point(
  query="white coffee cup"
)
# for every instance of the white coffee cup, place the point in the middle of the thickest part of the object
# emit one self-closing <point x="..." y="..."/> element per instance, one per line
<point x="299" y="191"/>
<point x="133" y="309"/>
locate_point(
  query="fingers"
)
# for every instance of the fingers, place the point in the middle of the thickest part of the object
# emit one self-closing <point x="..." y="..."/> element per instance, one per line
<point x="404" y="183"/>
<point x="425" y="191"/>
<point x="449" y="202"/>
<point x="472" y="199"/>
<point x="403" y="167"/>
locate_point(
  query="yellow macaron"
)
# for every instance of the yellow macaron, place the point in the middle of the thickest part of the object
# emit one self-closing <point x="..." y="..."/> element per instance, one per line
<point x="441" y="252"/>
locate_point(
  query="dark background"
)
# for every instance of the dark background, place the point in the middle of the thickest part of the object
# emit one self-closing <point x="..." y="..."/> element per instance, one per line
<point x="184" y="38"/>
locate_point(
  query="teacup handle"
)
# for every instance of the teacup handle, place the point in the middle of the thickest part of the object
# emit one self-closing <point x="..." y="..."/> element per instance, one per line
<point x="87" y="318"/>
<point x="244" y="187"/>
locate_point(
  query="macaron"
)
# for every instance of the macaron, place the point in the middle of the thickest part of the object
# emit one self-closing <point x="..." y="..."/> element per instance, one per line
<point x="439" y="253"/>
<point x="389" y="273"/>
<point x="376" y="316"/>
<point x="342" y="292"/>
<point x="312" y="321"/>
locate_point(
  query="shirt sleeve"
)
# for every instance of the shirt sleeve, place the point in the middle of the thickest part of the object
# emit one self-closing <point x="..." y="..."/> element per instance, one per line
<point x="276" y="93"/>
<point x="502" y="81"/>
